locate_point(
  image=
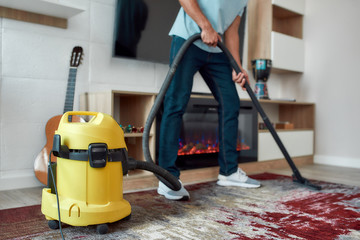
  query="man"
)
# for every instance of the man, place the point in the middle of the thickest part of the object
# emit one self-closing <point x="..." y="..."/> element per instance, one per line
<point x="215" y="19"/>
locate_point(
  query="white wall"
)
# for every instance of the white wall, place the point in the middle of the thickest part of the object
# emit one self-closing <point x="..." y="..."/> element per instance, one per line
<point x="34" y="68"/>
<point x="332" y="79"/>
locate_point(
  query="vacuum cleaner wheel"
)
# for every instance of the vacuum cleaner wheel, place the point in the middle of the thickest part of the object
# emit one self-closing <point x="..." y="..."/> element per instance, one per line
<point x="102" y="228"/>
<point x="53" y="224"/>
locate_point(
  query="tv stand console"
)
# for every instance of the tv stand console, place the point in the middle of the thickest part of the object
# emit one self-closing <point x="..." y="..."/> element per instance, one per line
<point x="295" y="128"/>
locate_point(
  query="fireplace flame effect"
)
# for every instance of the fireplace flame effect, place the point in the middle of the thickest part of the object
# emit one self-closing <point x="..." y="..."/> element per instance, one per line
<point x="201" y="148"/>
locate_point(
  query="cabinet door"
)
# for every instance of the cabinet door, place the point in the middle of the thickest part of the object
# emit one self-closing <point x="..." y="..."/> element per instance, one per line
<point x="297" y="143"/>
<point x="287" y="52"/>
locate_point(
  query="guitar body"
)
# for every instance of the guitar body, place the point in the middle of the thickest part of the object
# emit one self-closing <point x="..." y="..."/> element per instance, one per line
<point x="42" y="159"/>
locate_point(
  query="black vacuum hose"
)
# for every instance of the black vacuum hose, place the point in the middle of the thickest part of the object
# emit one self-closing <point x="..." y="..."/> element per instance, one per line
<point x="161" y="173"/>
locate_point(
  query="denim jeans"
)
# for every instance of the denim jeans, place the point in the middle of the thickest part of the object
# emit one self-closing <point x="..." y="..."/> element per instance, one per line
<point x="217" y="73"/>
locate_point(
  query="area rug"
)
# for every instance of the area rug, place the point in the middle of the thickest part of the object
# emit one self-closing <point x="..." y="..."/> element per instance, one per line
<point x="280" y="209"/>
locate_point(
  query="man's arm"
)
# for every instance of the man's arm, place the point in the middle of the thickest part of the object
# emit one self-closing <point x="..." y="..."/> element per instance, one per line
<point x="232" y="43"/>
<point x="208" y="35"/>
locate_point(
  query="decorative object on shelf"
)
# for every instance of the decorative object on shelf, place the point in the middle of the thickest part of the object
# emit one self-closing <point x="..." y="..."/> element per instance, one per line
<point x="262" y="126"/>
<point x="278" y="125"/>
<point x="128" y="129"/>
<point x="140" y="129"/>
<point x="284" y="125"/>
<point x="132" y="129"/>
<point x="261" y="70"/>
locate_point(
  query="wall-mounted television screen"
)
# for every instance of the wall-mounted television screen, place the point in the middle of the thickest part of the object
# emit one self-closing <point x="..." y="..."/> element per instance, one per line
<point x="142" y="29"/>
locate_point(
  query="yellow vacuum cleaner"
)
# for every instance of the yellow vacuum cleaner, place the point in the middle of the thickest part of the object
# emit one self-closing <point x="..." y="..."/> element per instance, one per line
<point x="85" y="185"/>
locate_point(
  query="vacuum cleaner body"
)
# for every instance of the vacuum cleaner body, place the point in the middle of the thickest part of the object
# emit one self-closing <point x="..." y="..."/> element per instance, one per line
<point x="89" y="172"/>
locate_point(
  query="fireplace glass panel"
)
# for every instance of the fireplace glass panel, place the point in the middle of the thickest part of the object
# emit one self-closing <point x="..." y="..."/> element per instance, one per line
<point x="199" y="138"/>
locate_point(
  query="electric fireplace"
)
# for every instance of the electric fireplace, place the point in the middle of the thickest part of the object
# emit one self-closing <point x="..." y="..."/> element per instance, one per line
<point x="198" y="142"/>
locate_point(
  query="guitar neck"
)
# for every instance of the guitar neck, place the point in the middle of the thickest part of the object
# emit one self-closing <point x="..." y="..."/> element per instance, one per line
<point x="70" y="91"/>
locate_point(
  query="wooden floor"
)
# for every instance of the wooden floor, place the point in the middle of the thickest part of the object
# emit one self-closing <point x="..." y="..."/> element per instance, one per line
<point x="348" y="176"/>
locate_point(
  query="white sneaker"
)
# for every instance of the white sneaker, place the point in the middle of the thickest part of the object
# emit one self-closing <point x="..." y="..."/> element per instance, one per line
<point x="170" y="194"/>
<point x="238" y="179"/>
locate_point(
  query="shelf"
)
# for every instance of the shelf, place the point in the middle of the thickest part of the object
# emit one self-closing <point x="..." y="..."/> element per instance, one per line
<point x="285" y="130"/>
<point x="301" y="114"/>
<point x="129" y="135"/>
<point x="282" y="102"/>
<point x="46" y="12"/>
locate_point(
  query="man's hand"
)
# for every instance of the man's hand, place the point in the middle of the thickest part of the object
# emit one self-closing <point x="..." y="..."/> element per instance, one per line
<point x="210" y="37"/>
<point x="241" y="78"/>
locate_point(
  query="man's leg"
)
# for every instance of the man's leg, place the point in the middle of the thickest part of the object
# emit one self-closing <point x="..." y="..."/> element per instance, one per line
<point x="175" y="103"/>
<point x="218" y="75"/>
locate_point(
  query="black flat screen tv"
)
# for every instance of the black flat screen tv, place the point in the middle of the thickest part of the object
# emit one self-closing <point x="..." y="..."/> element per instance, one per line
<point x="142" y="28"/>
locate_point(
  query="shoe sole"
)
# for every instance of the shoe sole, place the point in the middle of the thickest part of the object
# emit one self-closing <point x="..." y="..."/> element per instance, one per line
<point x="236" y="184"/>
<point x="171" y="197"/>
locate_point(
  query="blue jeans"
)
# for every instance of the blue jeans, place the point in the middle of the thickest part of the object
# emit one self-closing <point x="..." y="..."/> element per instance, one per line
<point x="217" y="73"/>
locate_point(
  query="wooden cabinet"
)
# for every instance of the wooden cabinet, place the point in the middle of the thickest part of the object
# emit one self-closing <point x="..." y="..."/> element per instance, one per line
<point x="298" y="139"/>
<point x="275" y="31"/>
<point x="134" y="107"/>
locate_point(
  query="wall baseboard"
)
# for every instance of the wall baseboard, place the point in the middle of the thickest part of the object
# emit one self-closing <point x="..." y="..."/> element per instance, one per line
<point x="10" y="180"/>
<point x="337" y="161"/>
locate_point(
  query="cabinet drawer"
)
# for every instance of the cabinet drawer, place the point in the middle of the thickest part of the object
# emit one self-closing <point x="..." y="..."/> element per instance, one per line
<point x="297" y="143"/>
<point x="287" y="53"/>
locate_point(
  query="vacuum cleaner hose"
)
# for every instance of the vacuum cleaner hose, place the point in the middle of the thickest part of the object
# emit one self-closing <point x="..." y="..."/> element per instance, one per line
<point x="161" y="173"/>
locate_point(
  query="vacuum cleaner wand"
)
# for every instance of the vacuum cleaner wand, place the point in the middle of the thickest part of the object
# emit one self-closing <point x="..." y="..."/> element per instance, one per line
<point x="296" y="174"/>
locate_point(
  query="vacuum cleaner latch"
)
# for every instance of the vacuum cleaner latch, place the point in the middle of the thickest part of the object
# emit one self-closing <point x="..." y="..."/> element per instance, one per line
<point x="98" y="153"/>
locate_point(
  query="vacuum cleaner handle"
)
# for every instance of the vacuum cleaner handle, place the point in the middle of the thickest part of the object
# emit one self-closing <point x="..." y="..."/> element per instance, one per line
<point x="79" y="113"/>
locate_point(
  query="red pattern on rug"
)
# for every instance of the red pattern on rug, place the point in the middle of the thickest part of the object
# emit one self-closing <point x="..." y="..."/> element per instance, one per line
<point x="312" y="215"/>
<point x="279" y="209"/>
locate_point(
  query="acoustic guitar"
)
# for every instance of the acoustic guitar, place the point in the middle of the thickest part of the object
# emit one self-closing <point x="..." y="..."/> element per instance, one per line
<point x="42" y="159"/>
